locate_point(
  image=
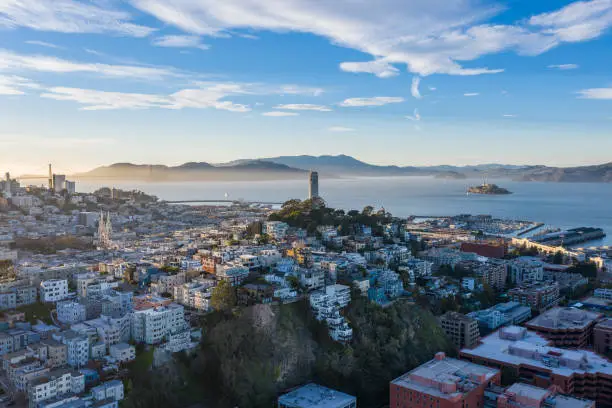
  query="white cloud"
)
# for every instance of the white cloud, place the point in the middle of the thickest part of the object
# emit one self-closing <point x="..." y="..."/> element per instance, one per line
<point x="564" y="66"/>
<point x="596" y="93"/>
<point x="379" y="67"/>
<point x="426" y="36"/>
<point x="432" y="88"/>
<point x="471" y="94"/>
<point x="14" y="85"/>
<point x="43" y="44"/>
<point x="509" y="116"/>
<point x="415" y="116"/>
<point x="414" y="89"/>
<point x="180" y="41"/>
<point x="375" y="101"/>
<point x="207" y="95"/>
<point x="340" y="129"/>
<point x="304" y="106"/>
<point x="300" y="90"/>
<point x="13" y="62"/>
<point x="279" y="114"/>
<point x="69" y="16"/>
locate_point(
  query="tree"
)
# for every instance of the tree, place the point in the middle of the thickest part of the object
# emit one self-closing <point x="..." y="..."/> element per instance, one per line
<point x="367" y="210"/>
<point x="558" y="258"/>
<point x="223" y="297"/>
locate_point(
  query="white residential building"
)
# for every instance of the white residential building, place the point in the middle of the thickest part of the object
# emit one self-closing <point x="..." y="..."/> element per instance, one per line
<point x="53" y="290"/>
<point x="77" y="347"/>
<point x="70" y="312"/>
<point x="59" y="382"/>
<point x="275" y="229"/>
<point x="326" y="306"/>
<point x="153" y="325"/>
<point x="526" y="270"/>
<point x="122" y="352"/>
<point x="233" y="273"/>
<point x="112" y="390"/>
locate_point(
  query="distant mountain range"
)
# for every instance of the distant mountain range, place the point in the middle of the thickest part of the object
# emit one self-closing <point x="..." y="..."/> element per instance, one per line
<point x="295" y="167"/>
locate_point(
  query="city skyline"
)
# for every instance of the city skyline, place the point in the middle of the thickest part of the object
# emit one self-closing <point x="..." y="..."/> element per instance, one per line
<point x="84" y="84"/>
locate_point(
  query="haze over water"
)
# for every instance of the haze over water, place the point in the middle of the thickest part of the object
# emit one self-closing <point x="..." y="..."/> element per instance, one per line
<point x="563" y="205"/>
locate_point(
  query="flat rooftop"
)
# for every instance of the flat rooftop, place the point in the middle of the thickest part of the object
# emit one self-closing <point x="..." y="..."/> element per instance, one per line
<point x="445" y="377"/>
<point x="563" y="318"/>
<point x="315" y="396"/>
<point x="536" y="396"/>
<point x="516" y="346"/>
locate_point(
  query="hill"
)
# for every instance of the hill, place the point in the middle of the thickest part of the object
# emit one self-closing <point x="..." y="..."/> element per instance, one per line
<point x="249" y="357"/>
<point x="196" y="171"/>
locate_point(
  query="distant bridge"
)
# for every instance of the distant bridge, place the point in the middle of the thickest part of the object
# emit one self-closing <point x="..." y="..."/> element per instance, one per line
<point x="223" y="201"/>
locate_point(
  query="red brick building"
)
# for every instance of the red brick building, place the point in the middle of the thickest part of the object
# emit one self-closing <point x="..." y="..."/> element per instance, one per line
<point x="443" y="383"/>
<point x="488" y="249"/>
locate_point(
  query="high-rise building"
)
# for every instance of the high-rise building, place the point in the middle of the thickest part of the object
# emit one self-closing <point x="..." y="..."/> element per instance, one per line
<point x="313" y="186"/>
<point x="59" y="182"/>
<point x="70" y="187"/>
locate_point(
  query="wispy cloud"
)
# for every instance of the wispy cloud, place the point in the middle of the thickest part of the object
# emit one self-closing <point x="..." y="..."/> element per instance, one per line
<point x="13" y="62"/>
<point x="415" y="116"/>
<point x="300" y="90"/>
<point x="380" y="68"/>
<point x="340" y="129"/>
<point x="43" y="44"/>
<point x="180" y="41"/>
<point x="15" y="85"/>
<point x="564" y="66"/>
<point x="304" y="106"/>
<point x="595" y="93"/>
<point x="375" y="101"/>
<point x="508" y="115"/>
<point x="69" y="16"/>
<point x="279" y="114"/>
<point x="471" y="94"/>
<point x="426" y="36"/>
<point x="414" y="89"/>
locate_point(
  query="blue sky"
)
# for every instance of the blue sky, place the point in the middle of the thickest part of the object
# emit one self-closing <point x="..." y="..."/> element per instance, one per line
<point x="407" y="82"/>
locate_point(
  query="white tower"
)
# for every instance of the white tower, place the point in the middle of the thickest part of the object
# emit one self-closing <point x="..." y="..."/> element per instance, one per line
<point x="313" y="186"/>
<point x="105" y="232"/>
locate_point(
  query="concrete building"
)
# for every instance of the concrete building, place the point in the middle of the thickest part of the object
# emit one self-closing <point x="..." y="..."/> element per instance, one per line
<point x="110" y="390"/>
<point x="443" y="382"/>
<point x="53" y="290"/>
<point x="602" y="337"/>
<point x="122" y="352"/>
<point x="233" y="273"/>
<point x="57" y="353"/>
<point x="509" y="313"/>
<point x="313" y="185"/>
<point x="461" y="329"/>
<point x="566" y="327"/>
<point x="521" y="395"/>
<point x="326" y="306"/>
<point x="55" y="383"/>
<point x="316" y="396"/>
<point x="525" y="270"/>
<point x="275" y="229"/>
<point x="77" y="347"/>
<point x="529" y="356"/>
<point x="71" y="312"/>
<point x="153" y="325"/>
<point x="538" y="296"/>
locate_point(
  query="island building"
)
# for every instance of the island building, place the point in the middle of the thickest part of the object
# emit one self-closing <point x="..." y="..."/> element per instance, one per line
<point x="529" y="356"/>
<point x="316" y="396"/>
<point x="443" y="382"/>
<point x="565" y="326"/>
<point x="461" y="329"/>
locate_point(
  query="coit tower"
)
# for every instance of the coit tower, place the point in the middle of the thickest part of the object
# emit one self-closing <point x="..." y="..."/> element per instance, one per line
<point x="313" y="187"/>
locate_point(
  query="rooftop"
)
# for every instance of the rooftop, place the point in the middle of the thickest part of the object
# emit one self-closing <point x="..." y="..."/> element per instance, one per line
<point x="563" y="318"/>
<point x="527" y="395"/>
<point x="315" y="396"/>
<point x="446" y="377"/>
<point x="515" y="346"/>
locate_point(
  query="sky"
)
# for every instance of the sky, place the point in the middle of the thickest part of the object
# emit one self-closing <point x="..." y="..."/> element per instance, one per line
<point x="85" y="83"/>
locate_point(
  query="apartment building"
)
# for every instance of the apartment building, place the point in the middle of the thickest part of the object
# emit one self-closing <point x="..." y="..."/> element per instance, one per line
<point x="53" y="290"/>
<point x="566" y="326"/>
<point x="538" y="296"/>
<point x="70" y="312"/>
<point x="55" y="383"/>
<point x="313" y="395"/>
<point x="153" y="325"/>
<point x="461" y="329"/>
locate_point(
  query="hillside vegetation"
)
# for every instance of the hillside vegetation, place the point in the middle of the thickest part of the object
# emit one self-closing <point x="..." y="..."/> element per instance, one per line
<point x="248" y="358"/>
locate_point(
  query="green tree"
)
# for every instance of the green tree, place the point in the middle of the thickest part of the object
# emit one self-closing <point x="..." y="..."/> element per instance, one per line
<point x="223" y="297"/>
